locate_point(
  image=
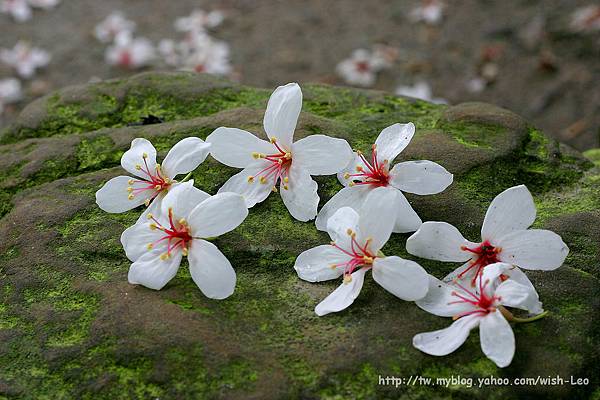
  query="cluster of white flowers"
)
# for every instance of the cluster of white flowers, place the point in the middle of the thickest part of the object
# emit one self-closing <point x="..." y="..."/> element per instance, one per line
<point x="363" y="65"/>
<point x="181" y="220"/>
<point x="21" y="11"/>
<point x="197" y="51"/>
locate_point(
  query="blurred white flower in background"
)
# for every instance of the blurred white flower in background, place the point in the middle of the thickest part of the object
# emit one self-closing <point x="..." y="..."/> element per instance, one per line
<point x="18" y="9"/>
<point x="205" y="54"/>
<point x="113" y="25"/>
<point x="420" y="90"/>
<point x="24" y="58"/>
<point x="10" y="92"/>
<point x="44" y="4"/>
<point x="199" y="21"/>
<point x="129" y="52"/>
<point x="362" y="66"/>
<point x="586" y="19"/>
<point x="429" y="12"/>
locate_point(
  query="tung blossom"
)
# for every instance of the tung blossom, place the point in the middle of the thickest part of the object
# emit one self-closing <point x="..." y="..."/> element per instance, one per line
<point x="279" y="160"/>
<point x="420" y="90"/>
<point x="130" y="53"/>
<point x="357" y="238"/>
<point x="18" y="9"/>
<point x="152" y="181"/>
<point x="365" y="174"/>
<point x="24" y="58"/>
<point x="361" y="67"/>
<point x="429" y="12"/>
<point x="198" y="21"/>
<point x="504" y="238"/>
<point x="10" y="92"/>
<point x="112" y="26"/>
<point x="483" y="306"/>
<point x="188" y="216"/>
<point x="203" y="54"/>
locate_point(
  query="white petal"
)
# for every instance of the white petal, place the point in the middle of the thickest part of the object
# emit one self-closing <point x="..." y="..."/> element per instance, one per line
<point x="113" y="197"/>
<point x="183" y="198"/>
<point x="445" y="341"/>
<point x="533" y="249"/>
<point x="438" y="241"/>
<point x="510" y="211"/>
<point x="404" y="279"/>
<point x="441" y="302"/>
<point x="314" y="265"/>
<point x="420" y="177"/>
<point x="185" y="156"/>
<point x="155" y="206"/>
<point x="392" y="140"/>
<point x="407" y="219"/>
<point x="300" y="198"/>
<point x="150" y="271"/>
<point x="135" y="157"/>
<point x="211" y="270"/>
<point x="136" y="238"/>
<point x="343" y="296"/>
<point x="514" y="294"/>
<point x="254" y="191"/>
<point x="217" y="215"/>
<point x="321" y="155"/>
<point x="351" y="168"/>
<point x="378" y="217"/>
<point x="282" y="114"/>
<point x="234" y="147"/>
<point x="465" y="278"/>
<point x="497" y="339"/>
<point x="338" y="225"/>
<point x="347" y="197"/>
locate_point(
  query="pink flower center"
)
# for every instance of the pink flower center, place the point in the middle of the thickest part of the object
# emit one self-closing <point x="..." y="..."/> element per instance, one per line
<point x="278" y="167"/>
<point x="484" y="304"/>
<point x="177" y="235"/>
<point x="360" y="256"/>
<point x="362" y="66"/>
<point x="155" y="181"/>
<point x="376" y="174"/>
<point x="125" y="58"/>
<point x="483" y="255"/>
<point x="200" y="68"/>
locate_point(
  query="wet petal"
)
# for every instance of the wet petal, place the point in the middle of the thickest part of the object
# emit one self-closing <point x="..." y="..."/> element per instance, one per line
<point x="300" y="197"/>
<point x="343" y="296"/>
<point x="445" y="341"/>
<point x="282" y="114"/>
<point x="392" y="140"/>
<point x="217" y="215"/>
<point x="321" y="155"/>
<point x="497" y="339"/>
<point x="420" y="177"/>
<point x="512" y="210"/>
<point x="185" y="156"/>
<point x="211" y="270"/>
<point x="236" y="147"/>
<point x="404" y="279"/>
<point x="438" y="241"/>
<point x="315" y="265"/>
<point x="134" y="158"/>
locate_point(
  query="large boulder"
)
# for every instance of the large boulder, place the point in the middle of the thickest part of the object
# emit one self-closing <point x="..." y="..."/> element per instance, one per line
<point x="71" y="326"/>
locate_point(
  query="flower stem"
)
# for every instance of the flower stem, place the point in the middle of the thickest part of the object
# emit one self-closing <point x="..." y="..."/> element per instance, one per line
<point x="187" y="177"/>
<point x="510" y="317"/>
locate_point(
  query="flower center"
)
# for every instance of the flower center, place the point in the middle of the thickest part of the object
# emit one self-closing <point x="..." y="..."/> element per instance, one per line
<point x="277" y="169"/>
<point x="360" y="256"/>
<point x="177" y="235"/>
<point x="125" y="58"/>
<point x="376" y="174"/>
<point x="155" y="181"/>
<point x="483" y="255"/>
<point x="484" y="304"/>
<point x="363" y="66"/>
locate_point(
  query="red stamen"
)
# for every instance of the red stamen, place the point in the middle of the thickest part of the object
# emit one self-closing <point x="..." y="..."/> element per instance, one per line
<point x="484" y="255"/>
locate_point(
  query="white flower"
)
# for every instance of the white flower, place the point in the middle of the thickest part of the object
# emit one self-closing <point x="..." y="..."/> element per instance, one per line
<point x="44" y="4"/>
<point x="152" y="180"/>
<point x="169" y="51"/>
<point x="362" y="176"/>
<point x="476" y="85"/>
<point x="420" y="90"/>
<point x="113" y="25"/>
<point x="10" y="92"/>
<point x="483" y="307"/>
<point x="280" y="160"/>
<point x="204" y="54"/>
<point x="24" y="58"/>
<point x="504" y="238"/>
<point x="430" y="12"/>
<point x="355" y="249"/>
<point x="188" y="215"/>
<point x="18" y="9"/>
<point x="198" y="21"/>
<point x="586" y="19"/>
<point x="130" y="53"/>
<point x="362" y="67"/>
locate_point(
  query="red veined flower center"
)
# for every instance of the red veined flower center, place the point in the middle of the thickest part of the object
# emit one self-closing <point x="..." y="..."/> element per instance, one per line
<point x="200" y="68"/>
<point x="278" y="167"/>
<point x="483" y="255"/>
<point x="155" y="181"/>
<point x="484" y="304"/>
<point x="125" y="58"/>
<point x="177" y="235"/>
<point x="360" y="256"/>
<point x="362" y="66"/>
<point x="376" y="174"/>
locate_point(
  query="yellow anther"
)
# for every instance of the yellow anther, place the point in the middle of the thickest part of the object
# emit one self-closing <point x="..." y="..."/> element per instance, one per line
<point x="351" y="184"/>
<point x="145" y="155"/>
<point x="150" y="216"/>
<point x="250" y="179"/>
<point x="255" y="155"/>
<point x="374" y="146"/>
<point x="349" y="231"/>
<point x="347" y="278"/>
<point x="130" y="189"/>
<point x="346" y="175"/>
<point x="131" y="196"/>
<point x="273" y="139"/>
<point x="285" y="187"/>
<point x="164" y="256"/>
<point x="138" y="166"/>
<point x="184" y="251"/>
<point x="274" y="189"/>
<point x="153" y="227"/>
<point x="157" y="187"/>
<point x="280" y="161"/>
<point x="170" y="210"/>
<point x="359" y="152"/>
<point x="288" y="155"/>
<point x="386" y="161"/>
<point x="263" y="180"/>
<point x="182" y="221"/>
<point x="147" y="202"/>
<point x="286" y="179"/>
<point x="359" y="168"/>
<point x="131" y="181"/>
<point x="150" y="246"/>
<point x="333" y="266"/>
<point x="332" y="243"/>
<point x="368" y="260"/>
<point x="498" y="249"/>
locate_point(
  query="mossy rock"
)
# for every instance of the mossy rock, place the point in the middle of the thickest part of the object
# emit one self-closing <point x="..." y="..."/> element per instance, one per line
<point x="71" y="327"/>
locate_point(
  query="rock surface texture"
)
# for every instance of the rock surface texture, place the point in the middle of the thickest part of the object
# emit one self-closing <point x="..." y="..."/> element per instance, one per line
<point x="72" y="327"/>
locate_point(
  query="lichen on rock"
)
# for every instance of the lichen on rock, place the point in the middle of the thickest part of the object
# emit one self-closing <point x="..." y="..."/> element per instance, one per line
<point x="72" y="327"/>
